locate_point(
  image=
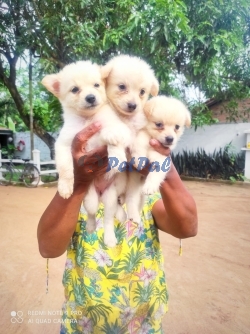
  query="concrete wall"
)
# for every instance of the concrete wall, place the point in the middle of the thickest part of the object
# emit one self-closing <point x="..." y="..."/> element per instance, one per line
<point x="214" y="137"/>
<point x="208" y="137"/>
<point x="38" y="144"/>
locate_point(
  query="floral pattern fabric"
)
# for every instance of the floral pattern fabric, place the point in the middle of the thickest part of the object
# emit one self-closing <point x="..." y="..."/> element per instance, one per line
<point x="120" y="290"/>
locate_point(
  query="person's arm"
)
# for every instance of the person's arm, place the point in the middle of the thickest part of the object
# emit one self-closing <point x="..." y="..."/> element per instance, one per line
<point x="58" y="222"/>
<point x="176" y="213"/>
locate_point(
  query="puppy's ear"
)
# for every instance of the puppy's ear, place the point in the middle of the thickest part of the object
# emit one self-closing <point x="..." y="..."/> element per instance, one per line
<point x="188" y="119"/>
<point x="148" y="108"/>
<point x="105" y="70"/>
<point x="52" y="83"/>
<point x="155" y="87"/>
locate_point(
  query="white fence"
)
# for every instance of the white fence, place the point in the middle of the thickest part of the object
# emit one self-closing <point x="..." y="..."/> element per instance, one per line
<point x="36" y="161"/>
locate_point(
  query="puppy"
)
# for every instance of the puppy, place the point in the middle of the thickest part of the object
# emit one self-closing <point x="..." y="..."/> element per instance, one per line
<point x="129" y="83"/>
<point x="81" y="90"/>
<point x="166" y="120"/>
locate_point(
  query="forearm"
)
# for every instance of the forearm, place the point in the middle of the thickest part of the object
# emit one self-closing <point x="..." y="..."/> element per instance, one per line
<point x="58" y="222"/>
<point x="176" y="214"/>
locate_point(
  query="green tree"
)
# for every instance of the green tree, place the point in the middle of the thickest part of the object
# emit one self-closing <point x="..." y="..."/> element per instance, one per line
<point x="7" y="107"/>
<point x="205" y="43"/>
<point x="16" y="37"/>
<point x="46" y="107"/>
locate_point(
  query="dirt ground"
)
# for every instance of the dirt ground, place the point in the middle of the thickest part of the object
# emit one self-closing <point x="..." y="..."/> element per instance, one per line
<point x="209" y="284"/>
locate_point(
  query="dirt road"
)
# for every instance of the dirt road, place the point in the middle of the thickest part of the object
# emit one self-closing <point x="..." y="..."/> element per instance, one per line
<point x="209" y="284"/>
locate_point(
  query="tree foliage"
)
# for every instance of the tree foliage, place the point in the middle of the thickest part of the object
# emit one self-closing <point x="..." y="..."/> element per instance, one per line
<point x="203" y="44"/>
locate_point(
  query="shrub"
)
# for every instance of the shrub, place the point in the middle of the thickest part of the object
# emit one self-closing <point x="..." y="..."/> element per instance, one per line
<point x="222" y="164"/>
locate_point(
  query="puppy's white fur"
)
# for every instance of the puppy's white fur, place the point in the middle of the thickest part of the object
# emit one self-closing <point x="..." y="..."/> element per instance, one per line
<point x="166" y="120"/>
<point x="129" y="82"/>
<point x="81" y="91"/>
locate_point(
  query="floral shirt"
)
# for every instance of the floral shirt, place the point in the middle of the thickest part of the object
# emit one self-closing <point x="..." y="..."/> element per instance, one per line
<point x="120" y="290"/>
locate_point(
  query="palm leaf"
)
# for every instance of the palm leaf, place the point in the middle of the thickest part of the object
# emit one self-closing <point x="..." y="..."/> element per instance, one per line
<point x="132" y="260"/>
<point x="98" y="311"/>
<point x="143" y="293"/>
<point x="113" y="328"/>
<point x="79" y="291"/>
<point x="66" y="277"/>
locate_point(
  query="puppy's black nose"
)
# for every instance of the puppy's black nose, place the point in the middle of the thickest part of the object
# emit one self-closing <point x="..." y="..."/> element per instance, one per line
<point x="131" y="106"/>
<point x="90" y="98"/>
<point x="169" y="139"/>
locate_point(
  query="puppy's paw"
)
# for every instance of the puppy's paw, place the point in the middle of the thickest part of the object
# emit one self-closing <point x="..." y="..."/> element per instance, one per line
<point x="110" y="239"/>
<point x="121" y="199"/>
<point x="112" y="137"/>
<point x="117" y="162"/>
<point x="91" y="226"/>
<point x="140" y="161"/>
<point x="65" y="187"/>
<point x="149" y="189"/>
<point x="122" y="162"/>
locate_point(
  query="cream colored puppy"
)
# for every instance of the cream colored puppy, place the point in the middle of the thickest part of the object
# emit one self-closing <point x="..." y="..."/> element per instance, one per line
<point x="81" y="90"/>
<point x="129" y="83"/>
<point x="166" y="121"/>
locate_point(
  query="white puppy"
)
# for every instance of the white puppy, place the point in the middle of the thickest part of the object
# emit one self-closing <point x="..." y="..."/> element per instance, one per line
<point x="166" y="120"/>
<point x="129" y="82"/>
<point x="81" y="91"/>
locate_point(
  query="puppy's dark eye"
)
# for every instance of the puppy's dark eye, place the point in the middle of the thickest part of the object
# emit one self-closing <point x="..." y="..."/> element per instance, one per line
<point x="142" y="92"/>
<point x="177" y="127"/>
<point x="96" y="85"/>
<point x="159" y="125"/>
<point x="74" y="90"/>
<point x="122" y="87"/>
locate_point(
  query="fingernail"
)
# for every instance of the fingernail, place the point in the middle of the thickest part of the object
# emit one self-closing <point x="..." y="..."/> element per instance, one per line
<point x="153" y="141"/>
<point x="97" y="124"/>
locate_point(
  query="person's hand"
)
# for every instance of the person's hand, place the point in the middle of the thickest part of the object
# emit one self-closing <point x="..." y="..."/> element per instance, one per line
<point x="88" y="165"/>
<point x="164" y="151"/>
<point x="159" y="147"/>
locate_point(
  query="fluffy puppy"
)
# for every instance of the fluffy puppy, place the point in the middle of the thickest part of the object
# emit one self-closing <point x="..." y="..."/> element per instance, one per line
<point x="166" y="121"/>
<point x="81" y="90"/>
<point x="129" y="83"/>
